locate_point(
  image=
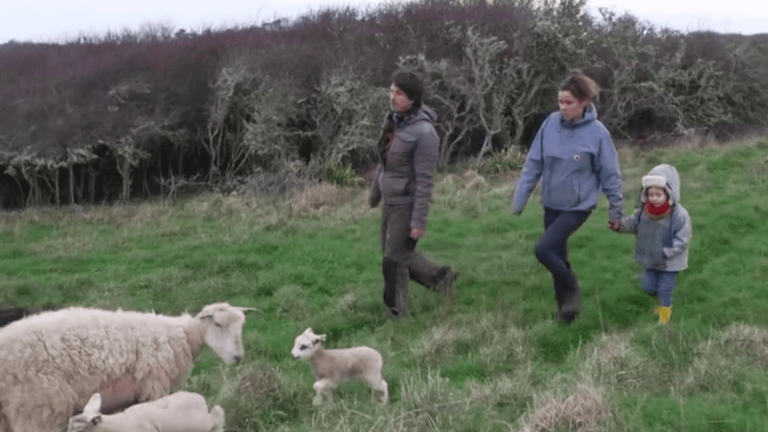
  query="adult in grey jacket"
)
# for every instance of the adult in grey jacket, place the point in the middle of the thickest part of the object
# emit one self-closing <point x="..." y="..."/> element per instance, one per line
<point x="662" y="229"/>
<point x="575" y="158"/>
<point x="408" y="150"/>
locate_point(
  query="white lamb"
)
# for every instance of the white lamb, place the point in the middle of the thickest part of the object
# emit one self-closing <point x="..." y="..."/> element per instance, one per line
<point x="179" y="412"/>
<point x="51" y="363"/>
<point x="334" y="367"/>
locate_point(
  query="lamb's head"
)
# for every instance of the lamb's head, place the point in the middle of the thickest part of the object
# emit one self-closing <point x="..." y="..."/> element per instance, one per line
<point x="90" y="419"/>
<point x="306" y="344"/>
<point x="223" y="330"/>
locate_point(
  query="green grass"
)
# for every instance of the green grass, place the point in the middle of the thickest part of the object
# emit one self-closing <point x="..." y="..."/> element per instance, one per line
<point x="489" y="359"/>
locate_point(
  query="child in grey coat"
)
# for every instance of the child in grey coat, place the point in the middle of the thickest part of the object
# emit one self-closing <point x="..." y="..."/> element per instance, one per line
<point x="662" y="229"/>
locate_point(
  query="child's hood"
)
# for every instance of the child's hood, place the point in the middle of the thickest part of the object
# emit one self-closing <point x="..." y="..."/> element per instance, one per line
<point x="668" y="175"/>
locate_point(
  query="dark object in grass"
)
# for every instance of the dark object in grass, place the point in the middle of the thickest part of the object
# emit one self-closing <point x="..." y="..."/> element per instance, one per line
<point x="15" y="313"/>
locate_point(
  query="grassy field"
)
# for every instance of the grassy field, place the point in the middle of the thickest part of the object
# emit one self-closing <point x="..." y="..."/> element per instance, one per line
<point x="489" y="359"/>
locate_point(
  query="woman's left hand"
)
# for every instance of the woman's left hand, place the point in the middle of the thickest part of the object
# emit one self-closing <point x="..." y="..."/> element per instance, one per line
<point x="417" y="233"/>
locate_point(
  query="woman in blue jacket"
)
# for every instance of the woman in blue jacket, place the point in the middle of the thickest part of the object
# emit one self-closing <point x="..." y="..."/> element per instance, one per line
<point x="575" y="158"/>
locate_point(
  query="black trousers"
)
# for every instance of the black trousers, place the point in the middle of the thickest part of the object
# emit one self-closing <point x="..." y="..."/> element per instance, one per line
<point x="552" y="251"/>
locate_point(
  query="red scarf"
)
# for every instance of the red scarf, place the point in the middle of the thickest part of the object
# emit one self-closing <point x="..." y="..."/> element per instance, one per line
<point x="658" y="210"/>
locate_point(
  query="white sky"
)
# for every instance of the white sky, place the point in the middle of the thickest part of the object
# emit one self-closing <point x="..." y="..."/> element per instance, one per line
<point x="55" y="20"/>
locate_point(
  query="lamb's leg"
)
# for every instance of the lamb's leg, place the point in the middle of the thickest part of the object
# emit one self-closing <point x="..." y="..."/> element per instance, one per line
<point x="324" y="389"/>
<point x="379" y="387"/>
<point x="217" y="415"/>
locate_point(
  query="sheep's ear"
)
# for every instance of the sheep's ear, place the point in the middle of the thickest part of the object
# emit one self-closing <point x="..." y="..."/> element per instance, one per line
<point x="247" y="309"/>
<point x="94" y="404"/>
<point x="207" y="315"/>
<point x="318" y="338"/>
<point x="96" y="420"/>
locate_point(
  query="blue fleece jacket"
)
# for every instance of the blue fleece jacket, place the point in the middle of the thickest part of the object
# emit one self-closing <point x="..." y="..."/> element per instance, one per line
<point x="574" y="162"/>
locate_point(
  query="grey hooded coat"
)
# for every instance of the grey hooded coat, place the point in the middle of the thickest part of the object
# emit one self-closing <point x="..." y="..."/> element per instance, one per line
<point x="662" y="243"/>
<point x="410" y="163"/>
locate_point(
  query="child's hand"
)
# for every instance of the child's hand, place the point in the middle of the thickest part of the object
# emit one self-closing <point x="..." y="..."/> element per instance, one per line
<point x="614" y="225"/>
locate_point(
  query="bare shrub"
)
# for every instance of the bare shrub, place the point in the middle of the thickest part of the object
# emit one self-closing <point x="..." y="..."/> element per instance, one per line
<point x="316" y="197"/>
<point x="286" y="180"/>
<point x="585" y="410"/>
<point x="348" y="112"/>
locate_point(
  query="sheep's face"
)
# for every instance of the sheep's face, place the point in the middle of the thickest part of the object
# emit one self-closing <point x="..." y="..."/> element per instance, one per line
<point x="90" y="419"/>
<point x="224" y="330"/>
<point x="305" y="344"/>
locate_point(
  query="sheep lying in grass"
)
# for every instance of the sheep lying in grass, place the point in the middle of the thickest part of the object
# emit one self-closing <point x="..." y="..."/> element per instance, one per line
<point x="334" y="367"/>
<point x="51" y="363"/>
<point x="179" y="412"/>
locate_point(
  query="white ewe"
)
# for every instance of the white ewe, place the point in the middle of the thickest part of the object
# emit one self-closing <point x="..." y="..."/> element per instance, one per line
<point x="51" y="363"/>
<point x="334" y="367"/>
<point x="179" y="412"/>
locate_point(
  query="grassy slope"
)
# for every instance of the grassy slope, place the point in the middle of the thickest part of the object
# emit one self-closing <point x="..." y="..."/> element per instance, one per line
<point x="489" y="359"/>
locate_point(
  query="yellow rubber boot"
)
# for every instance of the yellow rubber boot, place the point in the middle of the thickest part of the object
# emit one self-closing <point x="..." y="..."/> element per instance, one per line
<point x="665" y="312"/>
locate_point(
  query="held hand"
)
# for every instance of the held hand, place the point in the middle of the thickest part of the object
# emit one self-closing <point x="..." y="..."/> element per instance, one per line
<point x="614" y="225"/>
<point x="417" y="233"/>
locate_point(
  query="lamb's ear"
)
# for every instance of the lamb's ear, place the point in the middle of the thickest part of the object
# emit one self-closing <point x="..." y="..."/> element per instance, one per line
<point x="93" y="407"/>
<point x="96" y="420"/>
<point x="247" y="309"/>
<point x="318" y="338"/>
<point x="206" y="315"/>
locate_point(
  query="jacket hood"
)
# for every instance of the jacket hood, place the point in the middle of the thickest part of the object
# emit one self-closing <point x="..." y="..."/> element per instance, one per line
<point x="663" y="176"/>
<point x="590" y="115"/>
<point x="424" y="113"/>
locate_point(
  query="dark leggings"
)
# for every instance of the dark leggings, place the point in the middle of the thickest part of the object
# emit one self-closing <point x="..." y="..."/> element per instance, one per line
<point x="551" y="249"/>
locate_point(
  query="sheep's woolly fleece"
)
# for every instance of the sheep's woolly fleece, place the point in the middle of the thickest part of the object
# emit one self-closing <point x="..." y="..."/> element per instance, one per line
<point x="51" y="363"/>
<point x="181" y="412"/>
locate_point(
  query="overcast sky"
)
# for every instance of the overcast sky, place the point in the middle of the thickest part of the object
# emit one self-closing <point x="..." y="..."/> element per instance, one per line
<point x="56" y="20"/>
